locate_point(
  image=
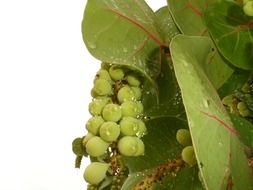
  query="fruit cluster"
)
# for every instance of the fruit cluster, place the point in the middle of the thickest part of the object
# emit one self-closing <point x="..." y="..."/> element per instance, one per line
<point x="116" y="124"/>
<point x="240" y="102"/>
<point x="183" y="136"/>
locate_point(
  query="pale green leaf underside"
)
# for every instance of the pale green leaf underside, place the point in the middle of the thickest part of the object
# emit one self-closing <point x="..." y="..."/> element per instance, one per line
<point x="219" y="152"/>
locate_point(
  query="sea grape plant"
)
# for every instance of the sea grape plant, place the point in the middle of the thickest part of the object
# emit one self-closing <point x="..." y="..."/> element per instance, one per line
<point x="172" y="102"/>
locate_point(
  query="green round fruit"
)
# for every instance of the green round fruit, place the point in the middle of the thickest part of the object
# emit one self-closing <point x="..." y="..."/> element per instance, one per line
<point x="133" y="80"/>
<point x="103" y="74"/>
<point x="128" y="145"/>
<point x="77" y="147"/>
<point x="137" y="92"/>
<point x="95" y="172"/>
<point x="248" y="8"/>
<point x="228" y="100"/>
<point x="87" y="137"/>
<point x="131" y="108"/>
<point x="93" y="124"/>
<point x="112" y="112"/>
<point x="96" y="146"/>
<point x="116" y="73"/>
<point x="125" y="94"/>
<point x="97" y="105"/>
<point x="142" y="129"/>
<point x="183" y="136"/>
<point x="188" y="155"/>
<point x="109" y="131"/>
<point x="140" y="148"/>
<point x="102" y="87"/>
<point x="129" y="126"/>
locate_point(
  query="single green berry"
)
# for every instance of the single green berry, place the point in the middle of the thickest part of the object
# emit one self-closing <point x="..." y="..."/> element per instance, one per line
<point x="248" y="8"/>
<point x="142" y="129"/>
<point x="246" y="88"/>
<point x="228" y="100"/>
<point x="243" y="109"/>
<point x="140" y="147"/>
<point x="112" y="112"/>
<point x="188" y="155"/>
<point x="128" y="145"/>
<point x="137" y="92"/>
<point x="77" y="147"/>
<point x="96" y="146"/>
<point x="95" y="172"/>
<point x="131" y="108"/>
<point x="93" y="124"/>
<point x="116" y="73"/>
<point x="133" y="80"/>
<point x="125" y="94"/>
<point x="102" y="87"/>
<point x="109" y="131"/>
<point x="246" y="1"/>
<point x="97" y="105"/>
<point x="103" y="74"/>
<point x="129" y="126"/>
<point x="183" y="136"/>
<point x="87" y="137"/>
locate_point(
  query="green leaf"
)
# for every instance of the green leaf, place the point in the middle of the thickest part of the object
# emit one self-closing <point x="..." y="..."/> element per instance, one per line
<point x="218" y="150"/>
<point x="232" y="32"/>
<point x="236" y="81"/>
<point x="170" y="102"/>
<point x="245" y="129"/>
<point x="160" y="144"/>
<point x="166" y="24"/>
<point x="188" y="16"/>
<point x="123" y="32"/>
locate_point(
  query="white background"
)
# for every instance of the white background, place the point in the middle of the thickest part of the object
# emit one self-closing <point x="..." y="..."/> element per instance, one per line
<point x="46" y="75"/>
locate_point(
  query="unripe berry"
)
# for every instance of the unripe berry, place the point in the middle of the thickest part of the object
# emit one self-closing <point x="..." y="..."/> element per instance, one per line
<point x="140" y="148"/>
<point x="97" y="105"/>
<point x="109" y="131"/>
<point x="93" y="124"/>
<point x="183" y="136"/>
<point x="142" y="129"/>
<point x="95" y="172"/>
<point x="103" y="74"/>
<point x="77" y="146"/>
<point x="125" y="94"/>
<point x="137" y="92"/>
<point x="131" y="108"/>
<point x="96" y="146"/>
<point x="248" y="8"/>
<point x="116" y="73"/>
<point x="128" y="146"/>
<point x="102" y="87"/>
<point x="133" y="80"/>
<point x="112" y="112"/>
<point x="129" y="126"/>
<point x="87" y="137"/>
<point x="188" y="155"/>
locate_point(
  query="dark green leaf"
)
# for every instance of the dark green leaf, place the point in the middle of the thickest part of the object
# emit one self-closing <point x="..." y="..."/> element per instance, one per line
<point x="236" y="81"/>
<point x="245" y="129"/>
<point x="232" y="31"/>
<point x="218" y="150"/>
